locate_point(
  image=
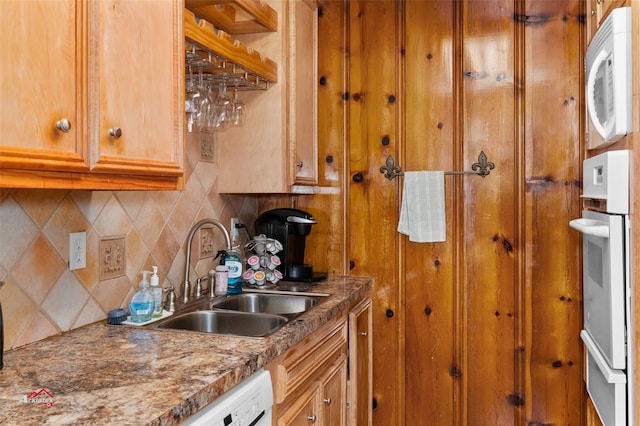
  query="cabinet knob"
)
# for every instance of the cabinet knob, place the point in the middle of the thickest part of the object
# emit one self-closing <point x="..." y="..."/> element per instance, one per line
<point x="593" y="12"/>
<point x="327" y="401"/>
<point x="363" y="333"/>
<point x="299" y="164"/>
<point x="312" y="419"/>
<point x="63" y="125"/>
<point x="116" y="132"/>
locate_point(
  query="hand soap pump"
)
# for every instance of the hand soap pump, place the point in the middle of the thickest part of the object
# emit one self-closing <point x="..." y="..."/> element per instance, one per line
<point x="156" y="292"/>
<point x="142" y="304"/>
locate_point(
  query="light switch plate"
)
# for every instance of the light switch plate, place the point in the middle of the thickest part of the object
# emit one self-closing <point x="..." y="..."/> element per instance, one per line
<point x="77" y="250"/>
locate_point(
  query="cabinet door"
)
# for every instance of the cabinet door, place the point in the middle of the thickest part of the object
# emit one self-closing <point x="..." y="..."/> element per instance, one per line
<point x="41" y="85"/>
<point x="136" y="83"/>
<point x="303" y="90"/>
<point x="304" y="411"/>
<point x="334" y="394"/>
<point x="360" y="364"/>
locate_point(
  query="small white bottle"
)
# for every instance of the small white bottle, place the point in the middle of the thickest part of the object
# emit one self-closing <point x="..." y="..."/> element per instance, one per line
<point x="156" y="292"/>
<point x="222" y="280"/>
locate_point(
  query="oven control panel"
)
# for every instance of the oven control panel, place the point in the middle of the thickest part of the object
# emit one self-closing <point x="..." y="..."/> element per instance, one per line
<point x="606" y="182"/>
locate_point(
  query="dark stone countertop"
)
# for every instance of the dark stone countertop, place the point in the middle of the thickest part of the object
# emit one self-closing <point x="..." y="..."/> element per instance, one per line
<point x="100" y="374"/>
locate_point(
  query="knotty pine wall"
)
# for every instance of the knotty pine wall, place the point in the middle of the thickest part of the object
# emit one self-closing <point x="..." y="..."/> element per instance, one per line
<point x="482" y="329"/>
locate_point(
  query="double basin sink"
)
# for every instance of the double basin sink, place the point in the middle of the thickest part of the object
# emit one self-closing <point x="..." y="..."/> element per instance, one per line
<point x="245" y="314"/>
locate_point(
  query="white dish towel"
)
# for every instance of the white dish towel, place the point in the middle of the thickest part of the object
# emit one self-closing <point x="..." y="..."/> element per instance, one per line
<point x="422" y="214"/>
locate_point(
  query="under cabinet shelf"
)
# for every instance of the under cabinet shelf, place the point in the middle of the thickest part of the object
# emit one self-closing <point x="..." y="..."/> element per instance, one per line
<point x="207" y="39"/>
<point x="236" y="16"/>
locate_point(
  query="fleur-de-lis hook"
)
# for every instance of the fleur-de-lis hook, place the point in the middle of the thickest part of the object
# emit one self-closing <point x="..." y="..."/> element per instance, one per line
<point x="483" y="167"/>
<point x="390" y="170"/>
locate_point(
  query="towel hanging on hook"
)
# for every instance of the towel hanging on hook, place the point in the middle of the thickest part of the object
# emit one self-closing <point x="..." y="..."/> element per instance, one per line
<point x="482" y="168"/>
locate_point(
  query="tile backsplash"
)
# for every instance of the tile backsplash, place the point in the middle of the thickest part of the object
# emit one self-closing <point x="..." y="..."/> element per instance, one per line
<point x="127" y="232"/>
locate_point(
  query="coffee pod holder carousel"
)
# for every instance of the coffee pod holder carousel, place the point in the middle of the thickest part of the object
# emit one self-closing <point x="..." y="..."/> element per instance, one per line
<point x="262" y="264"/>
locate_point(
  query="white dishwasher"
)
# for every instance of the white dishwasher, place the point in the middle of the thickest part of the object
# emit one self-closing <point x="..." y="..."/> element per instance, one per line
<point x="247" y="404"/>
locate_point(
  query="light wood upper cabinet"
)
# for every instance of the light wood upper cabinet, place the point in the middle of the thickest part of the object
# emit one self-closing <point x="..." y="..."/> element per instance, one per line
<point x="303" y="93"/>
<point x="110" y="73"/>
<point x="277" y="148"/>
<point x="133" y="62"/>
<point x="41" y="85"/>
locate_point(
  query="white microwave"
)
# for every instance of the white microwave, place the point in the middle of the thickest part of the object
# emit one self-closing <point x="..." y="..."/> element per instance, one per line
<point x="608" y="79"/>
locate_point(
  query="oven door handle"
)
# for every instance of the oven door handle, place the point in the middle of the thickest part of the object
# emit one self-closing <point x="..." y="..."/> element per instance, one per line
<point x="592" y="227"/>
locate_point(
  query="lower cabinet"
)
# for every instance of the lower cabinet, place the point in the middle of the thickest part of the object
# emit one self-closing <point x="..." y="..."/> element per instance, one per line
<point x="326" y="378"/>
<point x="310" y="380"/>
<point x="360" y="386"/>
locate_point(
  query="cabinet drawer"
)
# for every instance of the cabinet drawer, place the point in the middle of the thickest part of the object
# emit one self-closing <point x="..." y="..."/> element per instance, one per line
<point x="309" y="357"/>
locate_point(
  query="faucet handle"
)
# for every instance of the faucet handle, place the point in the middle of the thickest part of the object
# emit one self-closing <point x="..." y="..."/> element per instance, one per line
<point x="197" y="289"/>
<point x="171" y="298"/>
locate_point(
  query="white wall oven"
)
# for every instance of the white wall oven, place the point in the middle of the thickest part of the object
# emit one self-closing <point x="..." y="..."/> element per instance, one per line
<point x="606" y="247"/>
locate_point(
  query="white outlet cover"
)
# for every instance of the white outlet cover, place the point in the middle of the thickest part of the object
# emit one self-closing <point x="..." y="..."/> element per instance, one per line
<point x="77" y="250"/>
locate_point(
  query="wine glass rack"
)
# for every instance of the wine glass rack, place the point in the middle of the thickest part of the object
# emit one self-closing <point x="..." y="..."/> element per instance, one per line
<point x="222" y="58"/>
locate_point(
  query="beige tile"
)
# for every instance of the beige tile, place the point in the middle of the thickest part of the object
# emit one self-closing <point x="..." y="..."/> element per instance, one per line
<point x="89" y="314"/>
<point x="207" y="174"/>
<point x="91" y="203"/>
<point x="137" y="253"/>
<point x="133" y="201"/>
<point x="39" y="327"/>
<point x="165" y="201"/>
<point x="165" y="250"/>
<point x="66" y="219"/>
<point x="38" y="269"/>
<point x="189" y="204"/>
<point x="40" y="204"/>
<point x="65" y="301"/>
<point x="149" y="223"/>
<point x="17" y="310"/>
<point x="111" y="294"/>
<point x="17" y="232"/>
<point x="113" y="220"/>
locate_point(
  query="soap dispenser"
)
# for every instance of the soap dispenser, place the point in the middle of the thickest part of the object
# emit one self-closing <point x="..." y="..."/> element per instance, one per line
<point x="156" y="292"/>
<point x="142" y="304"/>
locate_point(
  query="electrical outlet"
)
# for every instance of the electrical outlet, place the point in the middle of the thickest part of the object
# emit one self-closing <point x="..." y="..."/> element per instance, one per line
<point x="77" y="250"/>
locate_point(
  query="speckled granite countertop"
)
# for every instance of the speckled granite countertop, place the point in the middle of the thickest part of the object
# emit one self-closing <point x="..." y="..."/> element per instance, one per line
<point x="101" y="374"/>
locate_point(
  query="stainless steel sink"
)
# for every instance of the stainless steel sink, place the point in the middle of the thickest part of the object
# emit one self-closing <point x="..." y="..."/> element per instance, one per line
<point x="224" y="322"/>
<point x="268" y="303"/>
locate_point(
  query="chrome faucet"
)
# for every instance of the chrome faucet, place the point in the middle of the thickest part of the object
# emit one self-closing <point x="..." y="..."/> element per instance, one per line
<point x="186" y="284"/>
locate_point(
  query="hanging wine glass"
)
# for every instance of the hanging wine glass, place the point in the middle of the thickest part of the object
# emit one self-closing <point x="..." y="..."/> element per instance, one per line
<point x="239" y="110"/>
<point x="192" y="102"/>
<point x="223" y="109"/>
<point x="206" y="103"/>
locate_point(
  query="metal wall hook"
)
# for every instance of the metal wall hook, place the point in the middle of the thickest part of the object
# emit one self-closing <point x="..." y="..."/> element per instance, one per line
<point x="482" y="168"/>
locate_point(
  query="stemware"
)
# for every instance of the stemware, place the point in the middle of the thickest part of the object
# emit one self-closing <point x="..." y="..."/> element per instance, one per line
<point x="205" y="109"/>
<point x="222" y="109"/>
<point x="239" y="110"/>
<point x="192" y="102"/>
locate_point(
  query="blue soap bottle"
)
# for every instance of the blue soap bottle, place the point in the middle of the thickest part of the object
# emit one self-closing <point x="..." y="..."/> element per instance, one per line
<point x="142" y="304"/>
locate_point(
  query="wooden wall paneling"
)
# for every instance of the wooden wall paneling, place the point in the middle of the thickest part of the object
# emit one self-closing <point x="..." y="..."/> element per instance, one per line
<point x="489" y="235"/>
<point x="635" y="231"/>
<point x="430" y="367"/>
<point x="554" y="103"/>
<point x="373" y="102"/>
<point x="328" y="239"/>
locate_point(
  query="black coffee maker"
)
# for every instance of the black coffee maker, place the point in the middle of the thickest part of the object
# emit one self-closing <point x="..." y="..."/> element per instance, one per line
<point x="290" y="227"/>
